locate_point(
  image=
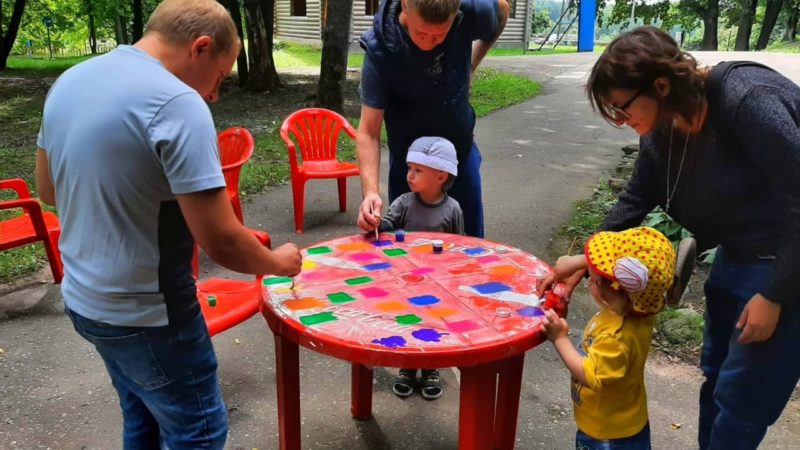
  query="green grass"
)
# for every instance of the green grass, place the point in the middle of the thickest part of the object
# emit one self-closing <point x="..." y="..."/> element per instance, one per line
<point x="22" y="65"/>
<point x="492" y="90"/>
<point x="300" y="56"/>
<point x="588" y="215"/>
<point x="785" y="47"/>
<point x="546" y="50"/>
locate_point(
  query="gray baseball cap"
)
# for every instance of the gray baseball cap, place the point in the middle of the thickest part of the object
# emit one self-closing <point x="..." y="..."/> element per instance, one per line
<point x="434" y="152"/>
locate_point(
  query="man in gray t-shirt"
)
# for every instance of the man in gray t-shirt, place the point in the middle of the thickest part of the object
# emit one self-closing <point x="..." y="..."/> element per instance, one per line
<point x="128" y="153"/>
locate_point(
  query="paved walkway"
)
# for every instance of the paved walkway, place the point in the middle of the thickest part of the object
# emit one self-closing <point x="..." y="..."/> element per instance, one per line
<point x="538" y="158"/>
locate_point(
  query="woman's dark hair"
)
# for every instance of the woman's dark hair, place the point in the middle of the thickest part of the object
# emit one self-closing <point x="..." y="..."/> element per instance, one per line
<point x="634" y="61"/>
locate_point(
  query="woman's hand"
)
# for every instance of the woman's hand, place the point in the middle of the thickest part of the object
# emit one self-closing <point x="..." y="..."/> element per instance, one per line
<point x="758" y="320"/>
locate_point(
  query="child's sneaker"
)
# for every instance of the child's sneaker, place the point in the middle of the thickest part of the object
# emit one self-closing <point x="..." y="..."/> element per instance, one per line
<point x="431" y="384"/>
<point x="403" y="385"/>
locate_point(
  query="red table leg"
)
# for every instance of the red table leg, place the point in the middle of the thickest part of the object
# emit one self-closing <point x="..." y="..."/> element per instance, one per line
<point x="508" y="390"/>
<point x="361" y="390"/>
<point x="287" y="367"/>
<point x="476" y="413"/>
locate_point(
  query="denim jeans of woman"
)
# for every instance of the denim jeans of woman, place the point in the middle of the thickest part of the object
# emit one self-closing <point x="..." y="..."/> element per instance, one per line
<point x="747" y="385"/>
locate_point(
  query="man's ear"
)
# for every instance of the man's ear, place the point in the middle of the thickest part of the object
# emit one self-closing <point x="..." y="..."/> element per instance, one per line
<point x="662" y="87"/>
<point x="202" y="46"/>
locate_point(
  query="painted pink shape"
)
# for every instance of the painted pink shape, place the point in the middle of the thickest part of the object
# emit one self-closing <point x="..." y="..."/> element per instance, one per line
<point x="363" y="256"/>
<point x="463" y="326"/>
<point x="422" y="271"/>
<point x="373" y="292"/>
<point x="312" y="275"/>
<point x="488" y="259"/>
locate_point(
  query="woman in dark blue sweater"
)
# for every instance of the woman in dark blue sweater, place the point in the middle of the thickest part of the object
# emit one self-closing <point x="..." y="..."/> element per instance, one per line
<point x="720" y="153"/>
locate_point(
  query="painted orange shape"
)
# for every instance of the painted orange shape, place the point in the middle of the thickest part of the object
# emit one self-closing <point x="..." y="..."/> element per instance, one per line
<point x="354" y="247"/>
<point x="441" y="312"/>
<point x="304" y="303"/>
<point x="392" y="306"/>
<point x="504" y="270"/>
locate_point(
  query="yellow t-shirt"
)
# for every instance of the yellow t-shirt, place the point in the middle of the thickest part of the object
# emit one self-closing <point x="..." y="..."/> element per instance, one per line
<point x="613" y="405"/>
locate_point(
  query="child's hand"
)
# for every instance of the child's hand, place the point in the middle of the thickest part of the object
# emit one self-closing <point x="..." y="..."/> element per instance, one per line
<point x="568" y="269"/>
<point x="554" y="327"/>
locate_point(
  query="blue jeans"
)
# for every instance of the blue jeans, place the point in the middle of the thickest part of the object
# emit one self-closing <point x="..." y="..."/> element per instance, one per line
<point x="166" y="380"/>
<point x="639" y="441"/>
<point x="747" y="385"/>
<point x="466" y="189"/>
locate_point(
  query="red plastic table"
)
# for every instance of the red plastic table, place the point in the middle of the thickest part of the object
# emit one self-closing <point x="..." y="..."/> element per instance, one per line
<point x="399" y="304"/>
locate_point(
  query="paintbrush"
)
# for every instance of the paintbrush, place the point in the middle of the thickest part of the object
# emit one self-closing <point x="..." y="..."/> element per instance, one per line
<point x="372" y="211"/>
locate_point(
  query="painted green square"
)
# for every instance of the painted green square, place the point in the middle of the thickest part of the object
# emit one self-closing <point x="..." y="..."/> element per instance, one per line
<point x="319" y="250"/>
<point x="315" y="319"/>
<point x="408" y="319"/>
<point x="276" y="280"/>
<point x="395" y="252"/>
<point x="340" y="297"/>
<point x="359" y="280"/>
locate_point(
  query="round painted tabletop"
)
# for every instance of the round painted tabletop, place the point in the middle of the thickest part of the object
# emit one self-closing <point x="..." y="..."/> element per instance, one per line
<point x="381" y="302"/>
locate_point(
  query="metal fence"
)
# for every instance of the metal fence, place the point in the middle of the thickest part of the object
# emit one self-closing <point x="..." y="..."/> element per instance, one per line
<point x="60" y="52"/>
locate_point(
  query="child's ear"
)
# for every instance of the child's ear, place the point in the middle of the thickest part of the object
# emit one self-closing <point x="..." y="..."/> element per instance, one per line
<point x="442" y="177"/>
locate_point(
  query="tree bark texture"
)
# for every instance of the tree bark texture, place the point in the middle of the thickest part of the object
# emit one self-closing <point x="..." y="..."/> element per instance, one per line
<point x="791" y="24"/>
<point x="710" y="17"/>
<point x="770" y="18"/>
<point x="7" y="39"/>
<point x="336" y="16"/>
<point x="262" y="75"/>
<point x="241" y="62"/>
<point x="746" y="25"/>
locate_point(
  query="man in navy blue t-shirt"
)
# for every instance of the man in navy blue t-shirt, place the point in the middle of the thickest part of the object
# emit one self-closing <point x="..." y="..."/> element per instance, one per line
<point x="420" y="57"/>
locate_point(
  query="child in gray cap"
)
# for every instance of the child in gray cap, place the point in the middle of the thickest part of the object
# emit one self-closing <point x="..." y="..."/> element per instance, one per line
<point x="432" y="169"/>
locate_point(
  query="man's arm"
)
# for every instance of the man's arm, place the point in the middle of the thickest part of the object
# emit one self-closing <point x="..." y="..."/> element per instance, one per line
<point x="44" y="185"/>
<point x="481" y="47"/>
<point x="368" y="151"/>
<point x="214" y="226"/>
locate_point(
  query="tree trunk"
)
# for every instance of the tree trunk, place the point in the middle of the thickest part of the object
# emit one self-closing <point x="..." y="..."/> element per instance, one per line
<point x="92" y="35"/>
<point x="336" y="15"/>
<point x="7" y="39"/>
<point x="710" y="17"/>
<point x="770" y="17"/>
<point x="791" y="25"/>
<point x="138" y="20"/>
<point x="241" y="62"/>
<point x="262" y="74"/>
<point x="121" y="30"/>
<point x="746" y="25"/>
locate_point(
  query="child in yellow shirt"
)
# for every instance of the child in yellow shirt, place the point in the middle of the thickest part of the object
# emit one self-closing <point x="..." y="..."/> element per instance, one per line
<point x="629" y="273"/>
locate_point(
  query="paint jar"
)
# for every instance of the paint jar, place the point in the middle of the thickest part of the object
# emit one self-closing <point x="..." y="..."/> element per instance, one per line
<point x="438" y="245"/>
<point x="503" y="312"/>
<point x="212" y="300"/>
<point x="399" y="235"/>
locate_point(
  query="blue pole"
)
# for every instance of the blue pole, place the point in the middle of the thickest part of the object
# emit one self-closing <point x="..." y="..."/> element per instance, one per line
<point x="587" y="10"/>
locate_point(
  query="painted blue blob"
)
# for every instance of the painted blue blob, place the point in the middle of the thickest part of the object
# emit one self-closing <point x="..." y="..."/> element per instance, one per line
<point x="474" y="251"/>
<point x="428" y="335"/>
<point x="377" y="266"/>
<point x="391" y="341"/>
<point x="530" y="311"/>
<point x="491" y="288"/>
<point x="424" y="300"/>
<point x="382" y="243"/>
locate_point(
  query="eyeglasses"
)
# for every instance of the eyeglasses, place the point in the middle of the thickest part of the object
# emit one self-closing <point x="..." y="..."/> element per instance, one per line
<point x="621" y="112"/>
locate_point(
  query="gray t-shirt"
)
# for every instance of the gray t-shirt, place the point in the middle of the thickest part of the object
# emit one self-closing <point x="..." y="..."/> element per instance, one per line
<point x="410" y="213"/>
<point x="123" y="136"/>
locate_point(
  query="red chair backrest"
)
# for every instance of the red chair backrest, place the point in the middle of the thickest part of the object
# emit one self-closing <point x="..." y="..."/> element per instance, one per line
<point x="316" y="131"/>
<point x="235" y="148"/>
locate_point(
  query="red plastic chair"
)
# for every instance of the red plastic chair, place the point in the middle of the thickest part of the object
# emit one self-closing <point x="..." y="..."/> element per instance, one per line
<point x="35" y="225"/>
<point x="236" y="300"/>
<point x="235" y="148"/>
<point x="316" y="131"/>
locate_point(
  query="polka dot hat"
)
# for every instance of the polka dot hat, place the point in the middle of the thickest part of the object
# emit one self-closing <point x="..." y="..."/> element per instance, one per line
<point x="640" y="260"/>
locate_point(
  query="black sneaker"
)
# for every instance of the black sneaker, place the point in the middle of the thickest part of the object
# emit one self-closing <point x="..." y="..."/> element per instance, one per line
<point x="403" y="385"/>
<point x="431" y="384"/>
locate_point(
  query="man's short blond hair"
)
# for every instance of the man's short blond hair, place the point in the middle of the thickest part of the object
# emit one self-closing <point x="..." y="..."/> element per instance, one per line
<point x="435" y="11"/>
<point x="183" y="21"/>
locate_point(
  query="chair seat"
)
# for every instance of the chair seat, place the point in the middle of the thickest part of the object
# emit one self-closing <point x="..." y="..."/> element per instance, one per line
<point x="19" y="230"/>
<point x="328" y="169"/>
<point x="237" y="301"/>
